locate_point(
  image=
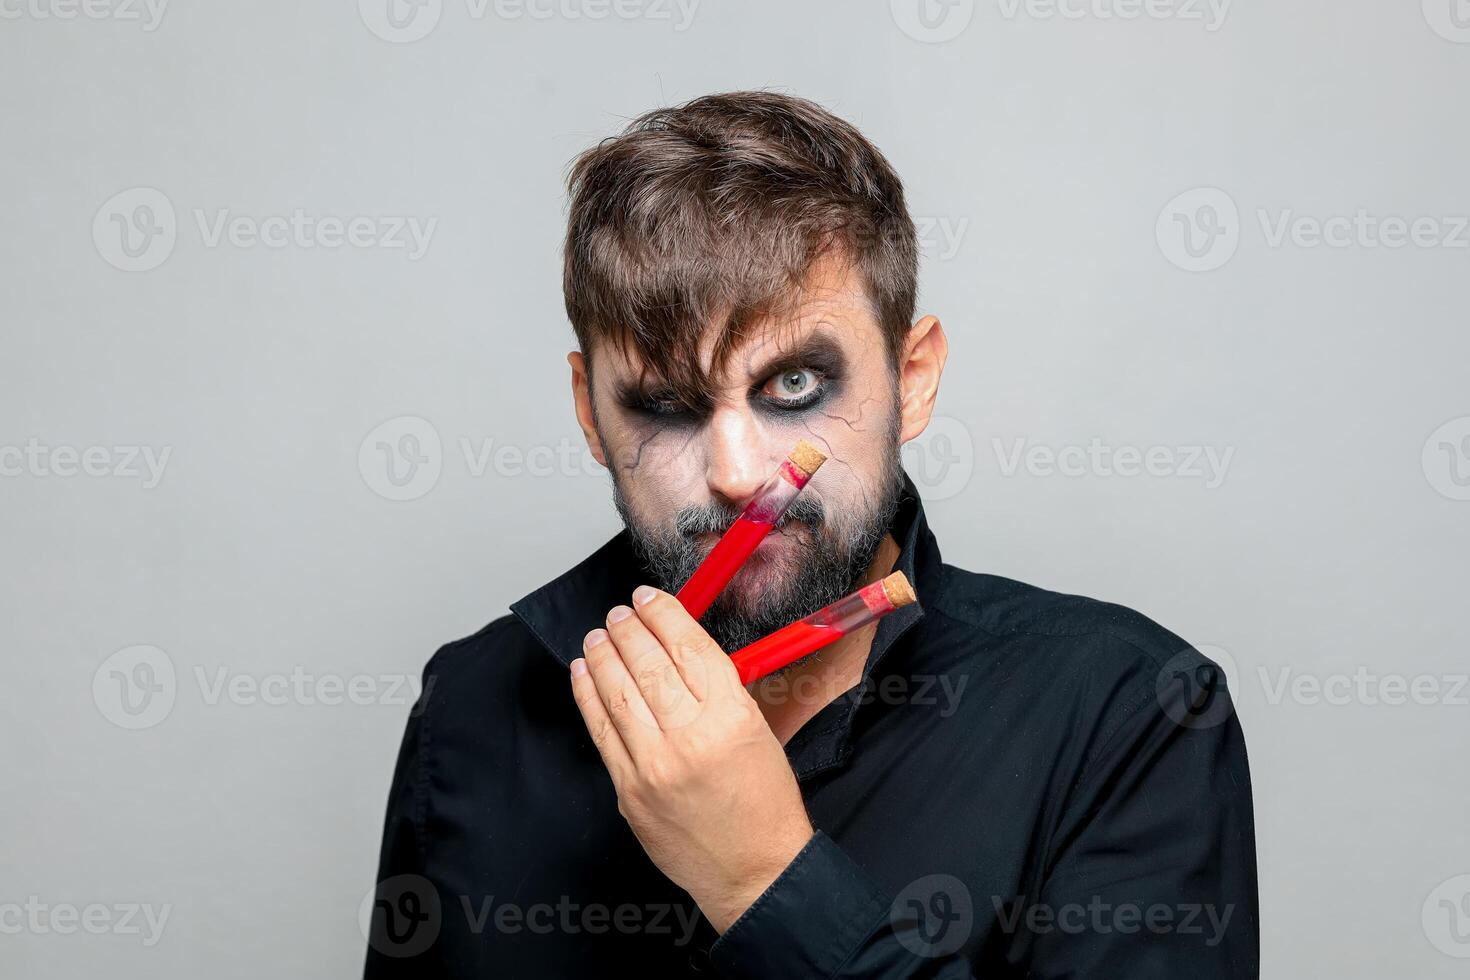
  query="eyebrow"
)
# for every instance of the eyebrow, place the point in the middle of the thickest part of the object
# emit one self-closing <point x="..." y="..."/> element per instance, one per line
<point x="817" y="348"/>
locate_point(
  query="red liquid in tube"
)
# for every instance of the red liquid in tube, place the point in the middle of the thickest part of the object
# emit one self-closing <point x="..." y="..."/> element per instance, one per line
<point x="742" y="538"/>
<point x="827" y="625"/>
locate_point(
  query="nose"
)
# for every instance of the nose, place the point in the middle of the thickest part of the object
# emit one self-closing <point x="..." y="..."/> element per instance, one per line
<point x="737" y="460"/>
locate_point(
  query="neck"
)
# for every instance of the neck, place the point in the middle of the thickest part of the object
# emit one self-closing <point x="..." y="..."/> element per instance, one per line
<point x="788" y="699"/>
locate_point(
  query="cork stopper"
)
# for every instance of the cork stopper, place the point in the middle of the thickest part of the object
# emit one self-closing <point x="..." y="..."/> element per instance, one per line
<point x="807" y="458"/>
<point x="898" y="590"/>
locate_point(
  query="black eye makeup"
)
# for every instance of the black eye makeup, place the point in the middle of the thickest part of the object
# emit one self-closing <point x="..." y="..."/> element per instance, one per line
<point x="658" y="405"/>
<point x="796" y="380"/>
<point x="794" y="388"/>
<point x="803" y="378"/>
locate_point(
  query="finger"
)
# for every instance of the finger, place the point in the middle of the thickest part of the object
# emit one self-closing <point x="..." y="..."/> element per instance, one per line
<point x="699" y="658"/>
<point x="620" y="696"/>
<point x="599" y="725"/>
<point x="656" y="675"/>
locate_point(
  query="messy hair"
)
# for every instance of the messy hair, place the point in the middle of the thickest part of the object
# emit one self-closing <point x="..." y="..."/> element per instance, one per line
<point x="708" y="215"/>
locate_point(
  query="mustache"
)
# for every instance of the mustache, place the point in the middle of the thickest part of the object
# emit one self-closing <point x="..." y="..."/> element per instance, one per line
<point x="716" y="518"/>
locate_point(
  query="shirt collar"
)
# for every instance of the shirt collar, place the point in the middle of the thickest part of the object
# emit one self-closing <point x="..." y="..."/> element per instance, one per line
<point x="562" y="611"/>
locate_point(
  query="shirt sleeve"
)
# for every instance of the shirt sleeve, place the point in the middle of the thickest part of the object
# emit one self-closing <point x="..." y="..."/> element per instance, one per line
<point x="403" y="915"/>
<point x="1152" y="873"/>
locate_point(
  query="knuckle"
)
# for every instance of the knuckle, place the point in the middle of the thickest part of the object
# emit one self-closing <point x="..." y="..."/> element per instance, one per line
<point x="686" y="647"/>
<point x="655" y="676"/>
<point x="600" y="729"/>
<point x="617" y="701"/>
<point x="586" y="703"/>
<point x="660" y="777"/>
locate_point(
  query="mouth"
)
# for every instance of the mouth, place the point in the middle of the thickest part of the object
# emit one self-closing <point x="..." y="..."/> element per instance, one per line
<point x="790" y="529"/>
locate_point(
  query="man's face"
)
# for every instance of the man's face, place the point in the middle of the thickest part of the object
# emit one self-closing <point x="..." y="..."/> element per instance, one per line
<point x="682" y="476"/>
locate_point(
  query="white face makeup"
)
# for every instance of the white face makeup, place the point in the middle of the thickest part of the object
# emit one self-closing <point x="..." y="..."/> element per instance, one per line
<point x="682" y="473"/>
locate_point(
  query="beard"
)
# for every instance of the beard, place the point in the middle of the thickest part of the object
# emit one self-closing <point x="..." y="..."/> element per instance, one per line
<point x="833" y="554"/>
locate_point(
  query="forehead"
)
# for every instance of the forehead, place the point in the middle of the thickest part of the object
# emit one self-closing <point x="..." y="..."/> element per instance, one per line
<point x="831" y="310"/>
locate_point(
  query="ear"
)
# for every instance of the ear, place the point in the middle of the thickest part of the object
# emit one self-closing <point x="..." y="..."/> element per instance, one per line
<point x="582" y="403"/>
<point x="925" y="352"/>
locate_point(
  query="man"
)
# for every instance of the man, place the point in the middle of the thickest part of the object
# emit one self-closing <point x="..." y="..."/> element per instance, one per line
<point x="998" y="781"/>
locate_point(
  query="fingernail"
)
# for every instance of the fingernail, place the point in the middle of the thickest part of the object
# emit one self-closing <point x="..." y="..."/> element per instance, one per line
<point x="618" y="614"/>
<point x="579" y="667"/>
<point x="644" y="593"/>
<point x="594" y="638"/>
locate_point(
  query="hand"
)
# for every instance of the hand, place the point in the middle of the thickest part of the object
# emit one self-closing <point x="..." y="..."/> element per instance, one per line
<point x="700" y="777"/>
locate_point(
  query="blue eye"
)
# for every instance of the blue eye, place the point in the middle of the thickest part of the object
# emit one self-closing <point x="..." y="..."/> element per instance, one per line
<point x="793" y="387"/>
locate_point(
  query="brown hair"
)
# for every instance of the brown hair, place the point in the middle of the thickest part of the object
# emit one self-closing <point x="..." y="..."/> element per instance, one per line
<point x="718" y="208"/>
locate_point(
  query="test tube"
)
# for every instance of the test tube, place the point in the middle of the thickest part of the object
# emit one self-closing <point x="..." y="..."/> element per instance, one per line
<point x="745" y="535"/>
<point x="826" y="625"/>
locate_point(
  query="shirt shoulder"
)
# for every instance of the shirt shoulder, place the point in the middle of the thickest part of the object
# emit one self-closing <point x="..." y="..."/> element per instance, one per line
<point x="500" y="671"/>
<point x="502" y="635"/>
<point x="1075" y="655"/>
<point x="1003" y="607"/>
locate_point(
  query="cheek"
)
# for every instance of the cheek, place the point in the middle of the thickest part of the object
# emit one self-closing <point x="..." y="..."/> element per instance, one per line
<point x="855" y="433"/>
<point x="658" y="472"/>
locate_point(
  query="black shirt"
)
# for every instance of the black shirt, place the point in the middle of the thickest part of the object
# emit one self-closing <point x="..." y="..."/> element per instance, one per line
<point x="1025" y="784"/>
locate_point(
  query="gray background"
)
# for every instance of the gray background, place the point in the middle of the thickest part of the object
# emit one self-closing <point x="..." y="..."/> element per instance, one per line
<point x="1050" y="151"/>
